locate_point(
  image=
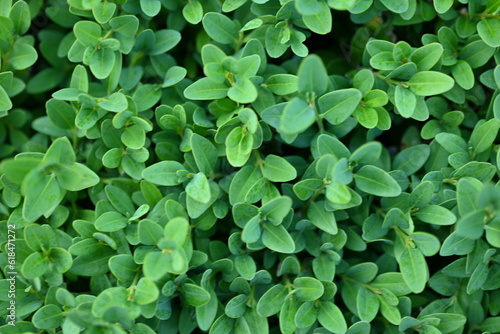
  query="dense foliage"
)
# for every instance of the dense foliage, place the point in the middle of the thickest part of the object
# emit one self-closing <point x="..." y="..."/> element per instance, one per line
<point x="249" y="166"/>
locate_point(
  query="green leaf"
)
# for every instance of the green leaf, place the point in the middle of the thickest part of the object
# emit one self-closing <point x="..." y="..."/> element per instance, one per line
<point x="246" y="185"/>
<point x="367" y="304"/>
<point x="173" y="76"/>
<point x="338" y="193"/>
<point x="150" y="7"/>
<point x="21" y="17"/>
<point x="193" y="12"/>
<point x="22" y="56"/>
<point x="396" y="6"/>
<point x="412" y="159"/>
<point x="163" y="173"/>
<point x="239" y="144"/>
<point x="125" y="25"/>
<point x="101" y="61"/>
<point x="245" y="266"/>
<point x="323" y="268"/>
<point x="342" y="172"/>
<point x="376" y="98"/>
<point x="384" y="61"/>
<point x="405" y="101"/>
<point x="220" y="28"/>
<point x="151" y="262"/>
<point x="195" y="208"/>
<point x="482" y="171"/>
<point x="477" y="53"/>
<point x="206" y="89"/>
<point x="282" y="84"/>
<point x="308" y="7"/>
<point x="478" y="278"/>
<point x="277" y="169"/>
<point x="395" y="217"/>
<point x="206" y="314"/>
<point x="489" y="30"/>
<point x="493" y="232"/>
<point x="427" y="243"/>
<point x="331" y="317"/>
<point x="422" y="194"/>
<point x="48" y="317"/>
<point x="271" y="301"/>
<point x="274" y="47"/>
<point x="252" y="230"/>
<point x="367" y="153"/>
<point x="88" y="33"/>
<point x="204" y="152"/>
<point x="198" y="188"/>
<point x="75" y="177"/>
<point x="321" y="218"/>
<point x="146" y="291"/>
<point x="120" y="200"/>
<point x="166" y="39"/>
<point x="61" y="113"/>
<point x="490" y="324"/>
<point x="43" y="196"/>
<point x="427" y="56"/>
<point x="359" y="327"/>
<point x="321" y="22"/>
<point x="442" y="6"/>
<point x="306" y="315"/>
<point x="483" y="136"/>
<point x="467" y="194"/>
<point x="34" y="266"/>
<point x="338" y="105"/>
<point x="393" y="282"/>
<point x="297" y="116"/>
<point x="243" y="91"/>
<point x="115" y="297"/>
<point x="212" y="54"/>
<point x="287" y="315"/>
<point x="248" y="66"/>
<point x="95" y="263"/>
<point x="305" y="189"/>
<point x="451" y="142"/>
<point x="390" y="312"/>
<point x="236" y="306"/>
<point x="376" y="181"/>
<point x="437" y="215"/>
<point x="463" y="74"/>
<point x="104" y="11"/>
<point x="307" y="289"/>
<point x="367" y="117"/>
<point x="123" y="267"/>
<point x="277" y="239"/>
<point x="223" y="325"/>
<point x="455" y="244"/>
<point x="414" y="269"/>
<point x="194" y="294"/>
<point x="116" y="102"/>
<point x="111" y="221"/>
<point x="312" y="75"/>
<point x="427" y="83"/>
<point x="149" y="232"/>
<point x="471" y="225"/>
<point x="60" y="152"/>
<point x="61" y="259"/>
<point x="276" y="209"/>
<point x="5" y="102"/>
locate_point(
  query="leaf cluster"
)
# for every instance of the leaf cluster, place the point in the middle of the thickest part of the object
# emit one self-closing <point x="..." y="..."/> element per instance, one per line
<point x="250" y="166"/>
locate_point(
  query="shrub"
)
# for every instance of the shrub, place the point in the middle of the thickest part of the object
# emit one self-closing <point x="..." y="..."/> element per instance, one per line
<point x="249" y="166"/>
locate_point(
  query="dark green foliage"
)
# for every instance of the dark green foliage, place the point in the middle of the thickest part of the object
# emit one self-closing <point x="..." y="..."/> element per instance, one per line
<point x="250" y="166"/>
